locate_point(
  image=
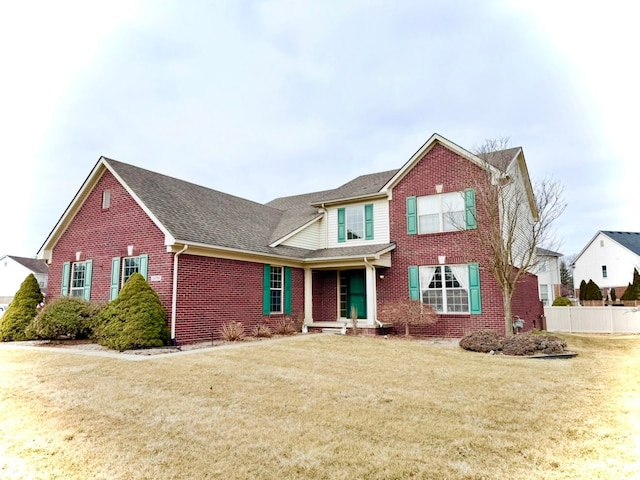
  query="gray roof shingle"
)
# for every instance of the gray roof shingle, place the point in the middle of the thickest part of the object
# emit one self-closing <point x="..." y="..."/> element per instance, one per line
<point x="33" y="264"/>
<point x="499" y="159"/>
<point x="192" y="213"/>
<point x="630" y="240"/>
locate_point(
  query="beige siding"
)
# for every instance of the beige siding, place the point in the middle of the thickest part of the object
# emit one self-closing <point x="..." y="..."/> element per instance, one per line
<point x="310" y="238"/>
<point x="380" y="225"/>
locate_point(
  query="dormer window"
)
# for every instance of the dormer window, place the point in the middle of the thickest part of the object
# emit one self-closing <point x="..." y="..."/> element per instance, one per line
<point x="355" y="223"/>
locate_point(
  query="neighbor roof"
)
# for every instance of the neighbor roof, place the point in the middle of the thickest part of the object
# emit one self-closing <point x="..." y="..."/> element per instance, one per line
<point x="33" y="264"/>
<point x="550" y="253"/>
<point x="630" y="240"/>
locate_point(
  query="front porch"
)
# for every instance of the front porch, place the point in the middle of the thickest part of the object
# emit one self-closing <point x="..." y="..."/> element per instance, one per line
<point x="345" y="327"/>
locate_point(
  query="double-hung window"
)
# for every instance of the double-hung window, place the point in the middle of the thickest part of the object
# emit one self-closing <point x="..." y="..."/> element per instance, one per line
<point x="76" y="279"/>
<point x="123" y="268"/>
<point x="441" y="213"/>
<point x="447" y="288"/>
<point x="355" y="223"/>
<point x="445" y="212"/>
<point x="276" y="290"/>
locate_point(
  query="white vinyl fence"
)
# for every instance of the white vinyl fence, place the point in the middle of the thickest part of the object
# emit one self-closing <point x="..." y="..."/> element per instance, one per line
<point x="593" y="319"/>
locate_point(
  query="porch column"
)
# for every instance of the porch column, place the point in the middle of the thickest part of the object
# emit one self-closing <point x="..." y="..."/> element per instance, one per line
<point x="308" y="297"/>
<point x="370" y="277"/>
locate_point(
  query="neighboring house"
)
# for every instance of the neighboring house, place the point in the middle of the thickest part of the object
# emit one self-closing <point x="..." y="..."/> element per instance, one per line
<point x="608" y="259"/>
<point x="14" y="270"/>
<point x="548" y="272"/>
<point x="214" y="258"/>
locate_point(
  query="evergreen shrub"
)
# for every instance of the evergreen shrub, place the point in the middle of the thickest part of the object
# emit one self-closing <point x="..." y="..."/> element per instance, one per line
<point x="136" y="319"/>
<point x="21" y="310"/>
<point x="561" y="302"/>
<point x="67" y="316"/>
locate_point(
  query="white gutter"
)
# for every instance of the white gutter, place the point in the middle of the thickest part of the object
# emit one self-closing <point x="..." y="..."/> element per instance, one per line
<point x="174" y="294"/>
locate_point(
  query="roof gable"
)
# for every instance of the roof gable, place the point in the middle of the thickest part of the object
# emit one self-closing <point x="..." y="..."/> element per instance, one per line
<point x="33" y="264"/>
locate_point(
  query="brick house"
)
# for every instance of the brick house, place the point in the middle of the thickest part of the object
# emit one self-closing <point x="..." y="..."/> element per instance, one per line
<point x="214" y="258"/>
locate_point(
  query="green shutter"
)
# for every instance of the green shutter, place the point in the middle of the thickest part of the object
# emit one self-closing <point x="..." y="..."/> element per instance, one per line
<point x="341" y="227"/>
<point x="368" y="221"/>
<point x="412" y="215"/>
<point x="414" y="283"/>
<point x="470" y="208"/>
<point x="144" y="265"/>
<point x="287" y="290"/>
<point x="88" y="270"/>
<point x="266" y="290"/>
<point x="475" y="304"/>
<point x="115" y="278"/>
<point x="66" y="272"/>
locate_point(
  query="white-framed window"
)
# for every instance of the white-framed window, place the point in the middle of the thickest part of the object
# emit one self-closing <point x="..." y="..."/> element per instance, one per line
<point x="130" y="265"/>
<point x="544" y="294"/>
<point x="276" y="290"/>
<point x="445" y="288"/>
<point x="78" y="278"/>
<point x="441" y="213"/>
<point x="122" y="268"/>
<point x="354" y="222"/>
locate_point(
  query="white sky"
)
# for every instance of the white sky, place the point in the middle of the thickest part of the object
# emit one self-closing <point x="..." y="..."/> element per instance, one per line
<point x="263" y="99"/>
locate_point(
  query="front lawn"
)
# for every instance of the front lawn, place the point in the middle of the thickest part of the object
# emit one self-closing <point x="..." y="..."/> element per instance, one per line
<point x="323" y="407"/>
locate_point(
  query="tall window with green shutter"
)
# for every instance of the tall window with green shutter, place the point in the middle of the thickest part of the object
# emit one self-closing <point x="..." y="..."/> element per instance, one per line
<point x="123" y="268"/>
<point x="76" y="279"/>
<point x="355" y="223"/>
<point x="446" y="212"/>
<point x="276" y="290"/>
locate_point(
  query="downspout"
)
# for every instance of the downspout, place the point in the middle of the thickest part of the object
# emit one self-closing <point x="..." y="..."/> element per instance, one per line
<point x="174" y="294"/>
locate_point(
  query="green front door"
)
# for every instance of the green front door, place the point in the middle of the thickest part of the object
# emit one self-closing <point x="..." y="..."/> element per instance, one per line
<point x="356" y="293"/>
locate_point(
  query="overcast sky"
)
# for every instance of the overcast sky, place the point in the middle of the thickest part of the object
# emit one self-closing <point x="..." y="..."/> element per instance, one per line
<point x="263" y="99"/>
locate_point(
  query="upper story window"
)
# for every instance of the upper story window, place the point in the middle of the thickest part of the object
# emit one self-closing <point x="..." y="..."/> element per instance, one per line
<point x="355" y="223"/>
<point x="441" y="213"/>
<point x="604" y="271"/>
<point x="445" y="212"/>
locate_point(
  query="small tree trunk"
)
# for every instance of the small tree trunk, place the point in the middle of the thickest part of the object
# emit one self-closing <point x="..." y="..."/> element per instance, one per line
<point x="508" y="320"/>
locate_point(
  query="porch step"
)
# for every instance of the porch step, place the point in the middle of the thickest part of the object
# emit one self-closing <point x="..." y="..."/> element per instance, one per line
<point x="336" y="331"/>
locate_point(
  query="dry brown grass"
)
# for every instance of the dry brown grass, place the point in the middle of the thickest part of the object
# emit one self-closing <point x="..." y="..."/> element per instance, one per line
<point x="323" y="407"/>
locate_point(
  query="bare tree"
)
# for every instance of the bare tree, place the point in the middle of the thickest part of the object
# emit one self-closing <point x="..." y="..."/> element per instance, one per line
<point x="519" y="217"/>
<point x="409" y="312"/>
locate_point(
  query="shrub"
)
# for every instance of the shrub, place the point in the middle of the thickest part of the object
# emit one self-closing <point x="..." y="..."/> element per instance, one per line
<point x="612" y="294"/>
<point x="483" y="341"/>
<point x="409" y="312"/>
<point x="232" y="332"/>
<point x="528" y="344"/>
<point x="136" y="319"/>
<point x="593" y="291"/>
<point x="262" y="331"/>
<point x="285" y="326"/>
<point x="22" y="310"/>
<point x="561" y="302"/>
<point x="68" y="316"/>
<point x="583" y="290"/>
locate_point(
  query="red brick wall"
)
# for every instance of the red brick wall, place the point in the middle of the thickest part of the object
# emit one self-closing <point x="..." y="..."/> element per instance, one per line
<point x="439" y="166"/>
<point x="101" y="235"/>
<point x="214" y="291"/>
<point x="526" y="302"/>
<point x="325" y="295"/>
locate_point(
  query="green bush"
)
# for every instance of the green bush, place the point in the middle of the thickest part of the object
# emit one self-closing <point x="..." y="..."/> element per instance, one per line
<point x="67" y="316"/>
<point x="136" y="319"/>
<point x="593" y="291"/>
<point x="561" y="302"/>
<point x="21" y="310"/>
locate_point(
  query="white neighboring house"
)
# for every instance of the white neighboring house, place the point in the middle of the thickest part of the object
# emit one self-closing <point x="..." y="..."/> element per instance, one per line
<point x="13" y="271"/>
<point x="548" y="272"/>
<point x="608" y="259"/>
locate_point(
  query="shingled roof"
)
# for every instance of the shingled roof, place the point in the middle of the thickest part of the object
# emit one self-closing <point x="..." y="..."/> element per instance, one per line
<point x="192" y="213"/>
<point x="630" y="240"/>
<point x="500" y="159"/>
<point x="33" y="264"/>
